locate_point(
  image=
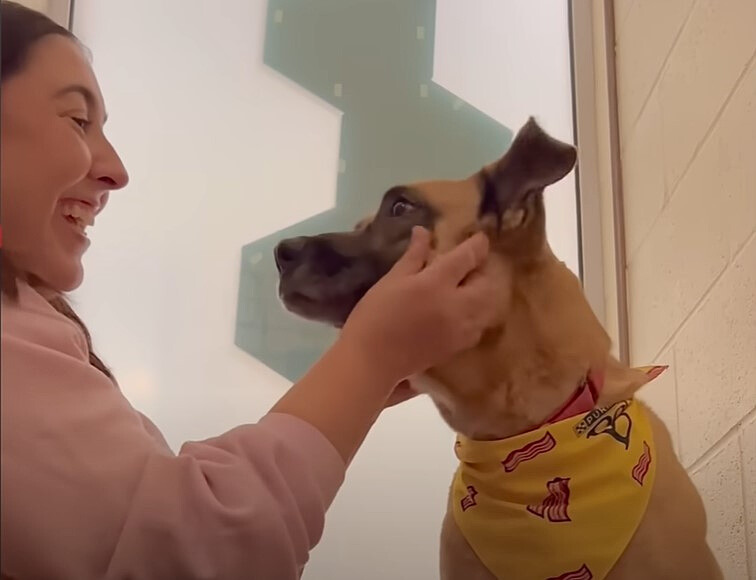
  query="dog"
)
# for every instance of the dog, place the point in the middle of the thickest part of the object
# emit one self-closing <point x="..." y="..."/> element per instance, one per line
<point x="563" y="473"/>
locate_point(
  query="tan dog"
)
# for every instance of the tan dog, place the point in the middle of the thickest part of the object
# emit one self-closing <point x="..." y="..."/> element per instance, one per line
<point x="546" y="344"/>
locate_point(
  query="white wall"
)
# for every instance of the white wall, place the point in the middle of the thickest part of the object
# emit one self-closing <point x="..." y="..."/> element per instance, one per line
<point x="209" y="135"/>
<point x="686" y="73"/>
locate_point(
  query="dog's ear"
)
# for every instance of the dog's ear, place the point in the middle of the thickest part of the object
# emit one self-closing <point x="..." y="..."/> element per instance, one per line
<point x="533" y="161"/>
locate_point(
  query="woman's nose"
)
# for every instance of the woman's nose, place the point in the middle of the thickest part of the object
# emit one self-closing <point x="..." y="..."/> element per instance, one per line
<point x="108" y="168"/>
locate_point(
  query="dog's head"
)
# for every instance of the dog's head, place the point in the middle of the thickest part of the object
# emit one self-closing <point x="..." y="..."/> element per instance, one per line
<point x="547" y="337"/>
<point x="323" y="277"/>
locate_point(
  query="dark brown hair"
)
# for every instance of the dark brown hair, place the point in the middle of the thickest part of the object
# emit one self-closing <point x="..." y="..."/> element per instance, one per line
<point x="20" y="28"/>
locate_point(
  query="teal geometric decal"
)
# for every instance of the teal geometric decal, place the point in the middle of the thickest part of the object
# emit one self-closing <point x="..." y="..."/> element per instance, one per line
<point x="373" y="60"/>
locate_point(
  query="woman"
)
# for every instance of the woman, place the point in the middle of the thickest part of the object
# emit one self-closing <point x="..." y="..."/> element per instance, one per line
<point x="90" y="488"/>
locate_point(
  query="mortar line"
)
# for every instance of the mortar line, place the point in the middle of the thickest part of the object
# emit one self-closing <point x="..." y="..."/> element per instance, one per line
<point x="659" y="72"/>
<point x="633" y="252"/>
<point x="697" y="306"/>
<point x="719" y="445"/>
<point x="712" y="126"/>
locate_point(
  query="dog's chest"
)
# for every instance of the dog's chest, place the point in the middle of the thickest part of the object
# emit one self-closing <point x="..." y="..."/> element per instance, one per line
<point x="562" y="501"/>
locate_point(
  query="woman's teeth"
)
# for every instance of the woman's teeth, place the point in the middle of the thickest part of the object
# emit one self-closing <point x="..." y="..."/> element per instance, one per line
<point x="79" y="214"/>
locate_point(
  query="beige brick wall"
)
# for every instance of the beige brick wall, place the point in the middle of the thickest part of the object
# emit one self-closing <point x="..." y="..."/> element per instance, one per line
<point x="686" y="79"/>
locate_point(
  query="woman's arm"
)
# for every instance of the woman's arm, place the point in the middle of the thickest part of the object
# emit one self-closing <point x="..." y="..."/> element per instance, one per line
<point x="413" y="318"/>
<point x="91" y="490"/>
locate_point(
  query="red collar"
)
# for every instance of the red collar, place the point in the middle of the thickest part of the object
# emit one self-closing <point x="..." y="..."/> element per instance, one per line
<point x="582" y="400"/>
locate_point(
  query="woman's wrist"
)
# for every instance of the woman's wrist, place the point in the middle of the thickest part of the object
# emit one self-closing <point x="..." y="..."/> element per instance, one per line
<point x="342" y="395"/>
<point x="368" y="367"/>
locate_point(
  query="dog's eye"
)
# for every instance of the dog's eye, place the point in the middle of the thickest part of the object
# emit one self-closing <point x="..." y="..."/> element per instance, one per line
<point x="401" y="207"/>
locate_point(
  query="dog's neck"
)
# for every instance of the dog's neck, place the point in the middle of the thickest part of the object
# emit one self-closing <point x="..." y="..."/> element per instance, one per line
<point x="487" y="414"/>
<point x="484" y="409"/>
<point x="525" y="371"/>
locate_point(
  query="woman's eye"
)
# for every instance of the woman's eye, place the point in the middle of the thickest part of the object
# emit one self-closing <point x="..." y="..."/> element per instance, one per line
<point x="400" y="208"/>
<point x="82" y="123"/>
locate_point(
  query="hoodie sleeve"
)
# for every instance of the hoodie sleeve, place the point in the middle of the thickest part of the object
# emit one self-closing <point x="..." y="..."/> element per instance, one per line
<point x="91" y="490"/>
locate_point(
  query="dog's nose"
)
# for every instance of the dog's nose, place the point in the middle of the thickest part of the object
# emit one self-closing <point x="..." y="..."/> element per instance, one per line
<point x="288" y="252"/>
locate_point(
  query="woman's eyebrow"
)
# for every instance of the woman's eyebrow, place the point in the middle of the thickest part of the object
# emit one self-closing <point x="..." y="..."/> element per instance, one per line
<point x="84" y="92"/>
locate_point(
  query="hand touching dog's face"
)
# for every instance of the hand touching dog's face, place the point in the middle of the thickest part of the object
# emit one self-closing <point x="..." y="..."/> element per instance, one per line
<point x="323" y="277"/>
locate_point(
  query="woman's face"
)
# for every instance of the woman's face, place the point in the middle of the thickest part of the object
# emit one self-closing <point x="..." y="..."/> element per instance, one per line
<point x="57" y="167"/>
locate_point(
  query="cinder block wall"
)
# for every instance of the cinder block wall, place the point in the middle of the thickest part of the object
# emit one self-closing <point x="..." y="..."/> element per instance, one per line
<point x="687" y="110"/>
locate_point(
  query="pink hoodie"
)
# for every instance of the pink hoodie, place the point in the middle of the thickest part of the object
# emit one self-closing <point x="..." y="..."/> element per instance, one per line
<point x="90" y="489"/>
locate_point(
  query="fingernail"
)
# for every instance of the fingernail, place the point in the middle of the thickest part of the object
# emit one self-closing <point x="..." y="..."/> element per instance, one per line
<point x="417" y="233"/>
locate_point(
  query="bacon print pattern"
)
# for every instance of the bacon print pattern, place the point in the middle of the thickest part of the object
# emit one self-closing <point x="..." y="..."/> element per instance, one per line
<point x="583" y="573"/>
<point x="469" y="500"/>
<point x="528" y="452"/>
<point x="554" y="507"/>
<point x="644" y="463"/>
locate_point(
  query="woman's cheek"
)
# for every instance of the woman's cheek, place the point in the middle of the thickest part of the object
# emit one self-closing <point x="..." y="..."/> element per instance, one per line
<point x="72" y="159"/>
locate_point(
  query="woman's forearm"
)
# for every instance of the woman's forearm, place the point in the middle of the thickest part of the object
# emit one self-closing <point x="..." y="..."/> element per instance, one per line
<point x="341" y="396"/>
<point x="413" y="318"/>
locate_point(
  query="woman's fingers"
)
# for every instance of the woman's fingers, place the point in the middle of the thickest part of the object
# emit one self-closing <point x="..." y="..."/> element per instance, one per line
<point x="455" y="265"/>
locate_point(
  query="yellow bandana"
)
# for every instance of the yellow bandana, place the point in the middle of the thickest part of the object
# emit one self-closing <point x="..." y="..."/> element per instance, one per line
<point x="560" y="502"/>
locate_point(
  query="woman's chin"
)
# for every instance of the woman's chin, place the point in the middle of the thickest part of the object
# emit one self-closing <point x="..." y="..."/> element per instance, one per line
<point x="72" y="280"/>
<point x="64" y="276"/>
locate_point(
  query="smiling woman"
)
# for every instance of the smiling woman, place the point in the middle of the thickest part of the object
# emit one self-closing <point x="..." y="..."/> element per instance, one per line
<point x="54" y="109"/>
<point x="77" y="458"/>
<point x="47" y="207"/>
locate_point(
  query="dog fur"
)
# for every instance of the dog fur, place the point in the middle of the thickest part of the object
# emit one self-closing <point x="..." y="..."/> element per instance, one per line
<point x="530" y="361"/>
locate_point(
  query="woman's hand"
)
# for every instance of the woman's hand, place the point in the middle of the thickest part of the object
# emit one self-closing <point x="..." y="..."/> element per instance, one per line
<point x="416" y="316"/>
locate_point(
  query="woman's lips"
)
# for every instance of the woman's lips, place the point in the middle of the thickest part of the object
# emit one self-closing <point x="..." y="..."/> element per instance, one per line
<point x="78" y="213"/>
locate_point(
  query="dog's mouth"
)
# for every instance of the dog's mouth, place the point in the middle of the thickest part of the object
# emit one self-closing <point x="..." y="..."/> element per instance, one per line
<point x="333" y="309"/>
<point x="316" y="293"/>
<point x="299" y="303"/>
<point x="321" y="278"/>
